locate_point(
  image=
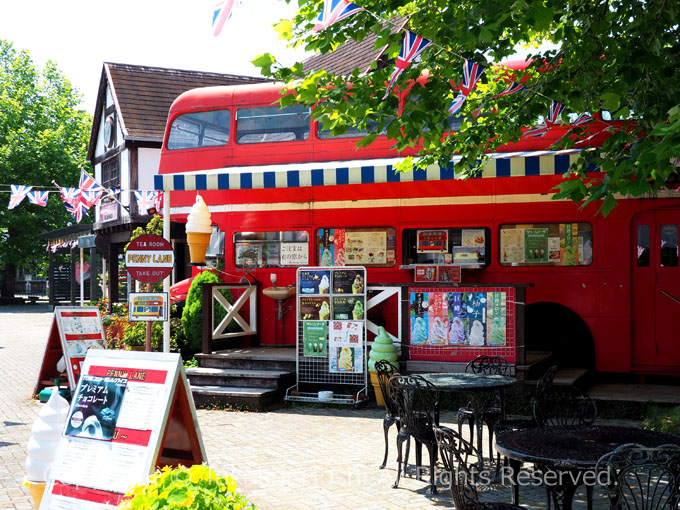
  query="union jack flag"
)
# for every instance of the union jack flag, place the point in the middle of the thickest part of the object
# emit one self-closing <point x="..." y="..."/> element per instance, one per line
<point x="91" y="197"/>
<point x="148" y="199"/>
<point x="18" y="193"/>
<point x="333" y="11"/>
<point x="583" y="118"/>
<point x="511" y="89"/>
<point x="412" y="46"/>
<point x="38" y="197"/>
<point x="77" y="209"/>
<point x="88" y="183"/>
<point x="472" y="72"/>
<point x="70" y="196"/>
<point x="221" y="13"/>
<point x="553" y="118"/>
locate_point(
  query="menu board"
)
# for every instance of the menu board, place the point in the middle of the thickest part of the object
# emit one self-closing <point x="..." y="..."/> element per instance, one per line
<point x="118" y="429"/>
<point x="458" y="318"/>
<point x="332" y="312"/>
<point x="80" y="329"/>
<point x="352" y="247"/>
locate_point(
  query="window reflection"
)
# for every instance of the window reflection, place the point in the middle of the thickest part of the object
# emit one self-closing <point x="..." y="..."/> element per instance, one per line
<point x="669" y="245"/>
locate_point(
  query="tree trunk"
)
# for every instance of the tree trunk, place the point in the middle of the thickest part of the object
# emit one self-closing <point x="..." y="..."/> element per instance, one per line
<point x="9" y="280"/>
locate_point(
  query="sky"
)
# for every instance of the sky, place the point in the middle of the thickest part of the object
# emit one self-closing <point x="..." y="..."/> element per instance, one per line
<point x="80" y="35"/>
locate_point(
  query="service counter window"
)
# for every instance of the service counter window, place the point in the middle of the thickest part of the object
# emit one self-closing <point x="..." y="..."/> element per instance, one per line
<point x="465" y="245"/>
<point x="289" y="248"/>
<point x="371" y="247"/>
<point x="546" y="244"/>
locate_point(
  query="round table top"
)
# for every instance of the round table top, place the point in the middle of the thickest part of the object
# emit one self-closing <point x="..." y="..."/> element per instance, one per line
<point x="466" y="381"/>
<point x="574" y="446"/>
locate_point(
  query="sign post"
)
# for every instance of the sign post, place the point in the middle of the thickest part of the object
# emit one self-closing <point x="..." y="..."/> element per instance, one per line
<point x="149" y="259"/>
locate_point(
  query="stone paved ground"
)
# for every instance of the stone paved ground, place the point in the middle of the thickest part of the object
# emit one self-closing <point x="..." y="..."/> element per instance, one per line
<point x="294" y="458"/>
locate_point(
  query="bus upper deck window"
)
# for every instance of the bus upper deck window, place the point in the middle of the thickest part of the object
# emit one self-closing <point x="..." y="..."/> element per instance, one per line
<point x="200" y="129"/>
<point x="272" y="124"/>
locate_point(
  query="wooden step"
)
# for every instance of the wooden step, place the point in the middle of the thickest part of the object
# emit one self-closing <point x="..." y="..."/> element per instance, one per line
<point x="245" y="360"/>
<point x="253" y="398"/>
<point x="240" y="377"/>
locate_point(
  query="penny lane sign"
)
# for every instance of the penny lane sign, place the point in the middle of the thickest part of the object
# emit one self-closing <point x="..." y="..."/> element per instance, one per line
<point x="149" y="258"/>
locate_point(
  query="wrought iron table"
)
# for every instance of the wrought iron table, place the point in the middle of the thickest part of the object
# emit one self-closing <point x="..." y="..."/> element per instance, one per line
<point x="569" y="451"/>
<point x="479" y="388"/>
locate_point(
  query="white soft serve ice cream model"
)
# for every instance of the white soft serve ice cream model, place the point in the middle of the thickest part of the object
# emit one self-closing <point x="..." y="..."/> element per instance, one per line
<point x="199" y="229"/>
<point x="42" y="444"/>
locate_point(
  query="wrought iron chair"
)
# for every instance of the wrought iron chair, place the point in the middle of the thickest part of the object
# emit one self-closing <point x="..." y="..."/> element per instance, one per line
<point x="384" y="370"/>
<point x="455" y="454"/>
<point x="417" y="404"/>
<point x="641" y="477"/>
<point x="493" y="413"/>
<point x="565" y="406"/>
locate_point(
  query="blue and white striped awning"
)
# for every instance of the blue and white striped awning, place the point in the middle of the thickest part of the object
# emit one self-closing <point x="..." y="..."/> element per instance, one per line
<point x="506" y="164"/>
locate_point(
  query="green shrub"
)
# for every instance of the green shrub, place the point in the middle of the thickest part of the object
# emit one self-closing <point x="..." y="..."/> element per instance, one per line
<point x="663" y="419"/>
<point x="197" y="487"/>
<point x="192" y="316"/>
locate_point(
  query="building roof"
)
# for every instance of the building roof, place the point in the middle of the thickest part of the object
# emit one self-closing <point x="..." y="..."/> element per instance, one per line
<point x="352" y="54"/>
<point x="142" y="96"/>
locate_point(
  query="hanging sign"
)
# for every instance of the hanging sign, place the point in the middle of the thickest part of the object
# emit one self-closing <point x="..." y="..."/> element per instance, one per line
<point x="131" y="413"/>
<point x="149" y="258"/>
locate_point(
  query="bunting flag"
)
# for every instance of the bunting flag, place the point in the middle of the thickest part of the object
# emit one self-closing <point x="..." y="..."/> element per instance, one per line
<point x="412" y="46"/>
<point x="148" y="199"/>
<point x="17" y="195"/>
<point x="69" y="195"/>
<point x="91" y="197"/>
<point x="333" y="11"/>
<point x="510" y="89"/>
<point x="553" y="118"/>
<point x="472" y="72"/>
<point x="38" y="197"/>
<point x="583" y="118"/>
<point x="221" y="13"/>
<point x="77" y="209"/>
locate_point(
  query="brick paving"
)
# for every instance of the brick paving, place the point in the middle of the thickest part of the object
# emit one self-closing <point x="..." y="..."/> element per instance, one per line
<point x="297" y="457"/>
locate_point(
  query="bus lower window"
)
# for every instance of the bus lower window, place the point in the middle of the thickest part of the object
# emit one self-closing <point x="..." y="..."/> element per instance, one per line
<point x="272" y="124"/>
<point x="643" y="246"/>
<point x="546" y="244"/>
<point x="669" y="245"/>
<point x="373" y="247"/>
<point x="469" y="245"/>
<point x="200" y="129"/>
<point x="271" y="249"/>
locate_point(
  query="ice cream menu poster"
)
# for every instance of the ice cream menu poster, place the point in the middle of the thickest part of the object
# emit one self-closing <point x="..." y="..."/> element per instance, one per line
<point x="458" y="318"/>
<point x="345" y="347"/>
<point x="81" y="330"/>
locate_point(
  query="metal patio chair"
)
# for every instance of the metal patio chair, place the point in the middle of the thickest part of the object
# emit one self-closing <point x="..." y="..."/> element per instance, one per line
<point x="417" y="404"/>
<point x="641" y="477"/>
<point x="385" y="370"/>
<point x="455" y="454"/>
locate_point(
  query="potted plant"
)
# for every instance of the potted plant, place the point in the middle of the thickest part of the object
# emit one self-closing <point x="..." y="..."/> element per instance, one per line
<point x="197" y="487"/>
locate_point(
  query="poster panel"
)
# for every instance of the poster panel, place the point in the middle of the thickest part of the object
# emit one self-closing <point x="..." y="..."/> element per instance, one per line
<point x="315" y="335"/>
<point x="345" y="347"/>
<point x="80" y="329"/>
<point x="314" y="281"/>
<point x="314" y="308"/>
<point x="148" y="306"/>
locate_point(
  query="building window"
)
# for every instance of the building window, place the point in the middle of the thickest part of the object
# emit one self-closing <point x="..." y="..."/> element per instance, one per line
<point x="200" y="129"/>
<point x="373" y="247"/>
<point x="272" y="124"/>
<point x="111" y="173"/>
<point x="546" y="244"/>
<point x="463" y="246"/>
<point x="288" y="248"/>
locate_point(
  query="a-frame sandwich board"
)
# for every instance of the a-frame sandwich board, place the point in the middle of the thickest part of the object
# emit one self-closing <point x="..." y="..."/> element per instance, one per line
<point x="131" y="413"/>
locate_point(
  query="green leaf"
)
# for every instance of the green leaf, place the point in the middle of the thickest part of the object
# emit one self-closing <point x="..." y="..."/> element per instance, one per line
<point x="285" y="29"/>
<point x="178" y="495"/>
<point x="610" y="101"/>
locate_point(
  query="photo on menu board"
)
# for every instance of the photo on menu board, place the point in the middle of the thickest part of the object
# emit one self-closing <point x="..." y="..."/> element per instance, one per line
<point x="95" y="407"/>
<point x="315" y="281"/>
<point x="348" y="281"/>
<point x="496" y="312"/>
<point x="345" y="347"/>
<point x="314" y="335"/>
<point x="314" y="308"/>
<point x="475" y="306"/>
<point x="348" y="307"/>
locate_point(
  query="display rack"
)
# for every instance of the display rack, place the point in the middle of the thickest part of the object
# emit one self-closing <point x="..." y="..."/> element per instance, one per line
<point x="331" y="338"/>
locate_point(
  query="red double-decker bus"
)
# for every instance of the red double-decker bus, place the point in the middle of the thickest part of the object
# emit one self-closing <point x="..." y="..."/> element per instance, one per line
<point x="602" y="292"/>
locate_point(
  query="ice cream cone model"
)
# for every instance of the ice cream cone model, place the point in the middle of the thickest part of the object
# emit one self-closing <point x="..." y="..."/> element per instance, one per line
<point x="42" y="444"/>
<point x="37" y="489"/>
<point x="199" y="230"/>
<point x="382" y="349"/>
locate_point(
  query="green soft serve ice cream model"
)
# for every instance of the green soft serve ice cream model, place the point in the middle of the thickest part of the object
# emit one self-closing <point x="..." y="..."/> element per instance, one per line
<point x="382" y="348"/>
